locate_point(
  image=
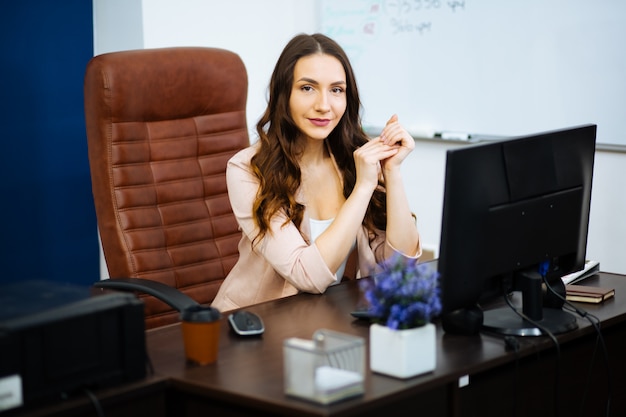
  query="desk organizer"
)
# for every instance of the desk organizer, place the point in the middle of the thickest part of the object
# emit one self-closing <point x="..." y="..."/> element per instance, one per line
<point x="328" y="368"/>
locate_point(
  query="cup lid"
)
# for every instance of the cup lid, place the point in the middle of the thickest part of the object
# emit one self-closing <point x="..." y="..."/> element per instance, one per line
<point x="199" y="313"/>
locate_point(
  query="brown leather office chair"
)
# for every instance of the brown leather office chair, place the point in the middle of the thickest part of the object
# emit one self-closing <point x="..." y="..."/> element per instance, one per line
<point x="161" y="126"/>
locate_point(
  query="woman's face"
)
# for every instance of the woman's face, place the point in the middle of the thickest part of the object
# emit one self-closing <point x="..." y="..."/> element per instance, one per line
<point x="318" y="95"/>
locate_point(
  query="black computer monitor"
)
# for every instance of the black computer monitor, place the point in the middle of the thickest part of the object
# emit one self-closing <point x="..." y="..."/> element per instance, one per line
<point x="515" y="218"/>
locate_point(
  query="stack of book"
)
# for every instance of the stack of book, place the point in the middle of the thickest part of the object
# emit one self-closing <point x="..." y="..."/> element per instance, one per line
<point x="583" y="293"/>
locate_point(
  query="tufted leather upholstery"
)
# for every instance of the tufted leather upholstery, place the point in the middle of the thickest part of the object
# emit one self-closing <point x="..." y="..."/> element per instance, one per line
<point x="161" y="126"/>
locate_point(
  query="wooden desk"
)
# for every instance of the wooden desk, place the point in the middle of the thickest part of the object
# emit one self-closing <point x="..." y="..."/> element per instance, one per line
<point x="248" y="376"/>
<point x="247" y="379"/>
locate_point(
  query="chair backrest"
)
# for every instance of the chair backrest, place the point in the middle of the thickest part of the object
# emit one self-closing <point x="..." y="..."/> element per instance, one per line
<point x="161" y="126"/>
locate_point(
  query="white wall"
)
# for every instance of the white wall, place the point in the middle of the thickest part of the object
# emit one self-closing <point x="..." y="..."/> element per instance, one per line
<point x="259" y="34"/>
<point x="256" y="30"/>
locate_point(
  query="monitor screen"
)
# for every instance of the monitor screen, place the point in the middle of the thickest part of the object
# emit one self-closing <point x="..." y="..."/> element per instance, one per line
<point x="515" y="219"/>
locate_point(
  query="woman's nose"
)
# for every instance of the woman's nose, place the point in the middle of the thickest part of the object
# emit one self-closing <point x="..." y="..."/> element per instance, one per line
<point x="322" y="103"/>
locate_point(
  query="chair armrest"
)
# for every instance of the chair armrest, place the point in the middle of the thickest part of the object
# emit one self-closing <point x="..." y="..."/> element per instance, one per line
<point x="173" y="297"/>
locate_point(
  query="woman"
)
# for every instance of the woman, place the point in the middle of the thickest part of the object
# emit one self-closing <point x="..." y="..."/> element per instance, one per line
<point x="314" y="186"/>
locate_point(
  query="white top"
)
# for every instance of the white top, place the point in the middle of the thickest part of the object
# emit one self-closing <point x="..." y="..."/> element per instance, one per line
<point x="317" y="228"/>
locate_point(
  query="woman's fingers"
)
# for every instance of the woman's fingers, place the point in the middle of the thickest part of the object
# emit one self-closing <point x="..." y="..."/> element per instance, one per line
<point x="376" y="150"/>
<point x="368" y="160"/>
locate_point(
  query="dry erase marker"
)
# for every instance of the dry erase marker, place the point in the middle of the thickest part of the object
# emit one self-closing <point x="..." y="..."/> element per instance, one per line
<point x="453" y="135"/>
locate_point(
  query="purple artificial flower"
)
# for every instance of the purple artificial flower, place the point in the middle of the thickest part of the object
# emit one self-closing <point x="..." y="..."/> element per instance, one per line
<point x="404" y="293"/>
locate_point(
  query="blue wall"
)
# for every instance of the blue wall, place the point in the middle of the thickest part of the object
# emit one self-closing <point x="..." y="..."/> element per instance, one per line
<point x="48" y="220"/>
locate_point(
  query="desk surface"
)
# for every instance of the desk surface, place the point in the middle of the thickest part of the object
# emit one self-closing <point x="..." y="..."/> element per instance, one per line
<point x="249" y="372"/>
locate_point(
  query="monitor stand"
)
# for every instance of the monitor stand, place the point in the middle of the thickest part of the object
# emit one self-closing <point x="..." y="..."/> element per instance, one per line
<point x="505" y="321"/>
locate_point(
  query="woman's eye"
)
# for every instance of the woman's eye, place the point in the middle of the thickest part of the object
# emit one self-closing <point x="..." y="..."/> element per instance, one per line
<point x="337" y="90"/>
<point x="306" y="88"/>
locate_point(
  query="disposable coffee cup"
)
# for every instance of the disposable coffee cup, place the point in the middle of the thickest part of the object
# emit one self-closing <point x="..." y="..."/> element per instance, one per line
<point x="201" y="333"/>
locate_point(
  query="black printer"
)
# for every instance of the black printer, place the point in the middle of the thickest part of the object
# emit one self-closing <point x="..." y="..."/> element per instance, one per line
<point x="58" y="339"/>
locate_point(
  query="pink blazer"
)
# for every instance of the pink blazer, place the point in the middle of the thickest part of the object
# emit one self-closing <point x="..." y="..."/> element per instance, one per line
<point x="282" y="263"/>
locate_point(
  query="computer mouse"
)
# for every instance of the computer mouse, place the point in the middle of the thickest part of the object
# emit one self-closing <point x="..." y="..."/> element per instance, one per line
<point x="246" y="323"/>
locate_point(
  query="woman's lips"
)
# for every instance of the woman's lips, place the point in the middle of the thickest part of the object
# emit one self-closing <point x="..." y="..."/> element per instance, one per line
<point x="320" y="122"/>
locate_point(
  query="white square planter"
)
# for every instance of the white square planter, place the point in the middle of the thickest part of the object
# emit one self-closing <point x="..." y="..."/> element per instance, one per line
<point x="403" y="353"/>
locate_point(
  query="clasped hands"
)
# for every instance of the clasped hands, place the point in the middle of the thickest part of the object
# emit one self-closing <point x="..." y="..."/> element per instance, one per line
<point x="385" y="152"/>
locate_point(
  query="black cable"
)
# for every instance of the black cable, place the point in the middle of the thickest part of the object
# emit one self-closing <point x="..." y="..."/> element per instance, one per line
<point x="593" y="357"/>
<point x="512" y="343"/>
<point x="558" y="352"/>
<point x="595" y="323"/>
<point x="95" y="402"/>
<point x="589" y="374"/>
<point x="609" y="377"/>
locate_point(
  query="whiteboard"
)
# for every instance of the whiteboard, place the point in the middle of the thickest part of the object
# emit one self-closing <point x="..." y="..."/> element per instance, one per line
<point x="488" y="67"/>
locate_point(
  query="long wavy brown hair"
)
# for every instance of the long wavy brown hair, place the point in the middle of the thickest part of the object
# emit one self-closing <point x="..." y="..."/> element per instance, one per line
<point x="276" y="162"/>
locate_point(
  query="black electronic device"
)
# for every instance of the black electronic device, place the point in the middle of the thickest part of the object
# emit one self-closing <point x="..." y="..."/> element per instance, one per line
<point x="246" y="323"/>
<point x="515" y="217"/>
<point x="57" y="339"/>
<point x="363" y="314"/>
